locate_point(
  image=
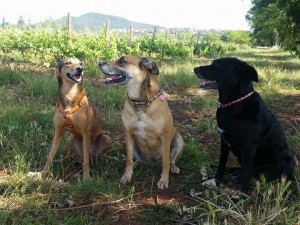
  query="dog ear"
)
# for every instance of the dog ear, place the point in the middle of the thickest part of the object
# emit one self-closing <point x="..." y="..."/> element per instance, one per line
<point x="248" y="72"/>
<point x="151" y="66"/>
<point x="59" y="80"/>
<point x="59" y="63"/>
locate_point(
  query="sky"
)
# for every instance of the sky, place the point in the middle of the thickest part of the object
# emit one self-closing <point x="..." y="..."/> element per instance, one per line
<point x="198" y="14"/>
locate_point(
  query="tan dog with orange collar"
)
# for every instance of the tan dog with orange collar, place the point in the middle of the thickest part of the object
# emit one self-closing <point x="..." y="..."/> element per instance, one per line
<point x="75" y="114"/>
<point x="149" y="130"/>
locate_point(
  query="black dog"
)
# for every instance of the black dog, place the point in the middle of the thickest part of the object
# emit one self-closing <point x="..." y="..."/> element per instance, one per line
<point x="246" y="126"/>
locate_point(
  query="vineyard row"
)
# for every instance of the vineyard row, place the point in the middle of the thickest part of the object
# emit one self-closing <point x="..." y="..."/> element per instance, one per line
<point x="42" y="45"/>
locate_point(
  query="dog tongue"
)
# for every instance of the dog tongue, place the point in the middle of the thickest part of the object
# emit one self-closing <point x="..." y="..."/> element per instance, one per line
<point x="206" y="82"/>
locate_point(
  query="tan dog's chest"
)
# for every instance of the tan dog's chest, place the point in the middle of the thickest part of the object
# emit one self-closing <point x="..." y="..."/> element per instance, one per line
<point x="61" y="121"/>
<point x="145" y="131"/>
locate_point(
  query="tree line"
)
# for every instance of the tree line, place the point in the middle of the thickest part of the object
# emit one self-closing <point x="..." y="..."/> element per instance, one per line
<point x="276" y="22"/>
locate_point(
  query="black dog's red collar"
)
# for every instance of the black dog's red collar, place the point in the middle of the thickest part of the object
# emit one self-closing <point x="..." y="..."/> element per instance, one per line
<point x="220" y="105"/>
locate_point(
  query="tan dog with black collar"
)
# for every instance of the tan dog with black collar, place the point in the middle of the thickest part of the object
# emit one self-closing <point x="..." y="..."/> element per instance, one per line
<point x="76" y="114"/>
<point x="149" y="129"/>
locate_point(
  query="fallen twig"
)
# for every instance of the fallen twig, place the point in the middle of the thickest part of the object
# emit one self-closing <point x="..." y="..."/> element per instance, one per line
<point x="77" y="207"/>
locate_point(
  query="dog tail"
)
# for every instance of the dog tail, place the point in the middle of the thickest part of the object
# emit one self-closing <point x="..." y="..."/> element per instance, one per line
<point x="105" y="143"/>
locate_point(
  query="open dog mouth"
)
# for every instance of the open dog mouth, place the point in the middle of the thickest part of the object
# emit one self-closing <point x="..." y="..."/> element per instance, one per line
<point x="115" y="79"/>
<point x="201" y="73"/>
<point x="114" y="75"/>
<point x="208" y="84"/>
<point x="77" y="78"/>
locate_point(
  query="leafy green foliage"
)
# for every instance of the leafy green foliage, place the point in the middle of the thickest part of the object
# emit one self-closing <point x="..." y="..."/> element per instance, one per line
<point x="237" y="37"/>
<point x="276" y="22"/>
<point x="41" y="45"/>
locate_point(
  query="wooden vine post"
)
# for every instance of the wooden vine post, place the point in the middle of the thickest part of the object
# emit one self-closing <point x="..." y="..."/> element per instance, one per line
<point x="106" y="38"/>
<point x="69" y="24"/>
<point x="152" y="43"/>
<point x="130" y="38"/>
<point x="162" y="52"/>
<point x="4" y="49"/>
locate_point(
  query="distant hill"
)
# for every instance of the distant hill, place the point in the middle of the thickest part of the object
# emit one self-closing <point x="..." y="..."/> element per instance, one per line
<point x="95" y="21"/>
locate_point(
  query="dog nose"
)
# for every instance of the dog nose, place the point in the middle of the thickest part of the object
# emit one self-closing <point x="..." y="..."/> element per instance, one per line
<point x="102" y="63"/>
<point x="79" y="69"/>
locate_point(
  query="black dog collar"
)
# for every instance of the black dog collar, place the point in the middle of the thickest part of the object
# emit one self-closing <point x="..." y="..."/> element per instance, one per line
<point x="148" y="101"/>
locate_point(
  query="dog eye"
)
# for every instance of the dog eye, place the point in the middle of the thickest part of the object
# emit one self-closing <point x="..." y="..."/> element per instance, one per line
<point x="68" y="63"/>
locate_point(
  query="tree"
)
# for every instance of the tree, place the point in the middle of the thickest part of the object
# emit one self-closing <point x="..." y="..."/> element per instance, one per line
<point x="276" y="22"/>
<point x="49" y="23"/>
<point x="211" y="37"/>
<point x="291" y="39"/>
<point x="21" y="23"/>
<point x="237" y="37"/>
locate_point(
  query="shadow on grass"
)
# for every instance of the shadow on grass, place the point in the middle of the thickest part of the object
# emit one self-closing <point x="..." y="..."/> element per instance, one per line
<point x="268" y="58"/>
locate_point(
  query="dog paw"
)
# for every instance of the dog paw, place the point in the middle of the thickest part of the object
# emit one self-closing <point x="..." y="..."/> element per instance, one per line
<point x="163" y="183"/>
<point x="175" y="169"/>
<point x="34" y="175"/>
<point x="126" y="178"/>
<point x="45" y="174"/>
<point x="211" y="184"/>
<point x="86" y="177"/>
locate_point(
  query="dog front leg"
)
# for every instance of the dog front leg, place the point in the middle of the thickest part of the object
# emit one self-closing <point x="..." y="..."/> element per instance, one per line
<point x="164" y="180"/>
<point x="246" y="170"/>
<point x="58" y="135"/>
<point x="86" y="155"/>
<point x="129" y="142"/>
<point x="223" y="161"/>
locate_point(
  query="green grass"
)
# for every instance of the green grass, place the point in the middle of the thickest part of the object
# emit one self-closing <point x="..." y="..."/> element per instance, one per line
<point x="178" y="76"/>
<point x="26" y="132"/>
